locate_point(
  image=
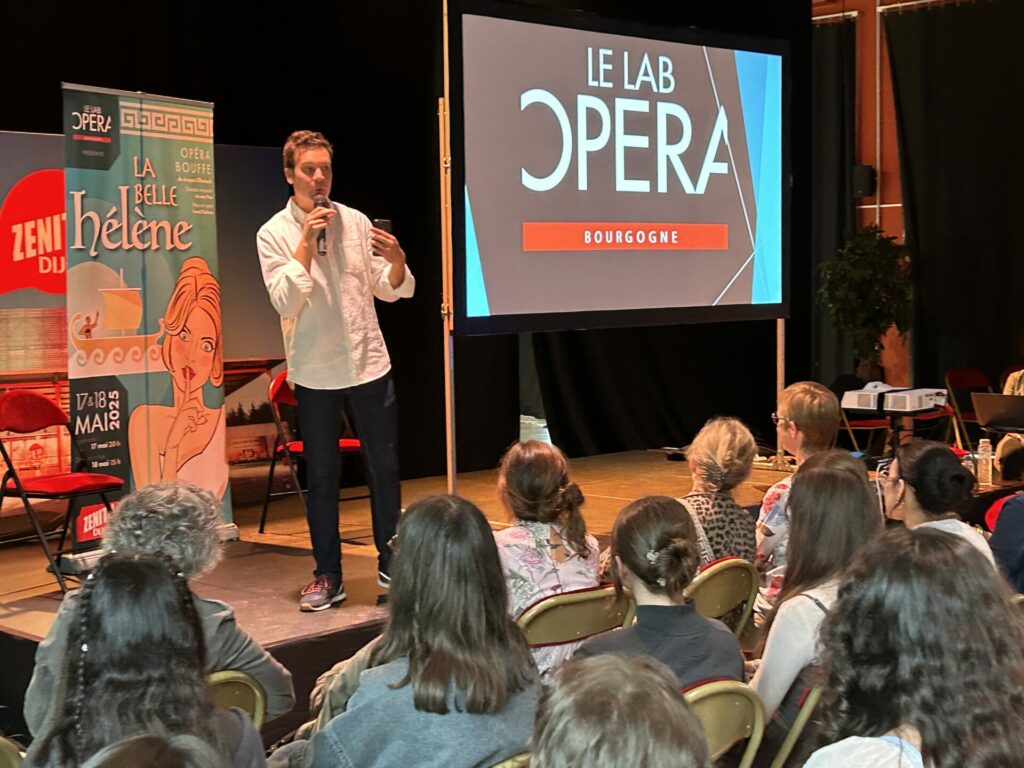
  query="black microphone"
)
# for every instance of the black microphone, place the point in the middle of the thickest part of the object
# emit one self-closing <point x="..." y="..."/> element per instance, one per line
<point x="321" y="239"/>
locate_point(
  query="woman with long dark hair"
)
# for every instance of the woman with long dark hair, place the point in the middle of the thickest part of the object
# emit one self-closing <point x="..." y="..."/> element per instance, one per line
<point x="926" y="485"/>
<point x="923" y="659"/>
<point x="547" y="549"/>
<point x="451" y="681"/>
<point x="833" y="512"/>
<point x="135" y="666"/>
<point x="178" y="521"/>
<point x="655" y="556"/>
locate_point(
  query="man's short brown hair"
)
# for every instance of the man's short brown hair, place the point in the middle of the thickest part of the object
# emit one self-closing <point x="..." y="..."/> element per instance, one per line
<point x="815" y="411"/>
<point x="300" y="140"/>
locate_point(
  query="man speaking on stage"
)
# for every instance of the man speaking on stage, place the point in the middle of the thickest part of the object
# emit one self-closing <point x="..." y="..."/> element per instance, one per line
<point x="323" y="263"/>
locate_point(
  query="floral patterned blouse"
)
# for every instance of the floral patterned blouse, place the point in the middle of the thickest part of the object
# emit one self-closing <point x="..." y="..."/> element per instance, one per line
<point x="533" y="572"/>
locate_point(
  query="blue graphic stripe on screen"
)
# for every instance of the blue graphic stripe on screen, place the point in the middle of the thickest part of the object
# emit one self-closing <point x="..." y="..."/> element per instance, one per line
<point x="750" y="72"/>
<point x="760" y="81"/>
<point x="476" y="289"/>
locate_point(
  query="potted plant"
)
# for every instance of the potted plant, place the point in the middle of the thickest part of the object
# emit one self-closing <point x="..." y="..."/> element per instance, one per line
<point x="866" y="288"/>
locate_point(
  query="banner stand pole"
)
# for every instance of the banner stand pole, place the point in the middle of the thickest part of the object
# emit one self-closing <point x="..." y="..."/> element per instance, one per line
<point x="447" y="288"/>
<point x="780" y="384"/>
<point x="447" y="297"/>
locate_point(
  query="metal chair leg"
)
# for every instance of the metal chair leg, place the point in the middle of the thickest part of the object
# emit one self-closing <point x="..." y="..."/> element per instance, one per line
<point x="74" y="506"/>
<point x="54" y="565"/>
<point x="270" y="485"/>
<point x="295" y="479"/>
<point x="849" y="431"/>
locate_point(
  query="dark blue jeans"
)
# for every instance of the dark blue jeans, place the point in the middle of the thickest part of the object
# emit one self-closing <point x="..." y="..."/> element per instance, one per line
<point x="374" y="411"/>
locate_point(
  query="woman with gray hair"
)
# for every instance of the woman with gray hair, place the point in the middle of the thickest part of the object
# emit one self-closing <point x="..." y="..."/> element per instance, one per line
<point x="179" y="521"/>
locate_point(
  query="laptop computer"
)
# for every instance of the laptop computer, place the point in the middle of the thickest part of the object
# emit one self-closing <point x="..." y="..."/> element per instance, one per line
<point x="999" y="413"/>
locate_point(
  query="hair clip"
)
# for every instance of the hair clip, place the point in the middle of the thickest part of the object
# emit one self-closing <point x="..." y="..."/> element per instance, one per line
<point x="652" y="556"/>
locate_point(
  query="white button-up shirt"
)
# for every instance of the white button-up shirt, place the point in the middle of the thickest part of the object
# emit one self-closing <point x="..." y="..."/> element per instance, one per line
<point x="331" y="336"/>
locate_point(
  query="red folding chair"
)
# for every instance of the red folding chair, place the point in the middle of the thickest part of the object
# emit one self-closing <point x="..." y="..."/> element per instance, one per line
<point x="927" y="424"/>
<point x="24" y="411"/>
<point x="281" y="393"/>
<point x="871" y="426"/>
<point x="965" y="381"/>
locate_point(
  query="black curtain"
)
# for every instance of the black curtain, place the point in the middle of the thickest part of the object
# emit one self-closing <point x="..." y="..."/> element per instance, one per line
<point x="833" y="71"/>
<point x="957" y="73"/>
<point x="633" y="388"/>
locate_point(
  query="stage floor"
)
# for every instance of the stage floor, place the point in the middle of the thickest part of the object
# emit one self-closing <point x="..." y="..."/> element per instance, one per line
<point x="261" y="574"/>
<point x="608" y="483"/>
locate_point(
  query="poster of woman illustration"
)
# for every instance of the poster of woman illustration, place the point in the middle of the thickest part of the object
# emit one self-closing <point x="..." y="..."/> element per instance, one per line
<point x="186" y="440"/>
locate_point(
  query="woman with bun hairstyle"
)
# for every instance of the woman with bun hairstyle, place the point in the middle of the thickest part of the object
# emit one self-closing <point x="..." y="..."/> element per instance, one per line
<point x="546" y="550"/>
<point x="927" y="486"/>
<point x="720" y="458"/>
<point x="654" y="555"/>
<point x="833" y="513"/>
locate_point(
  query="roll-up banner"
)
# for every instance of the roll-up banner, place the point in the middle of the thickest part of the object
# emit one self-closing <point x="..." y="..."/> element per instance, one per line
<point x="145" y="348"/>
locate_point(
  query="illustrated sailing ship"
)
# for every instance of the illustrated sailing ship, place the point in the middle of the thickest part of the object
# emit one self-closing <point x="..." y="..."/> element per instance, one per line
<point x="105" y="336"/>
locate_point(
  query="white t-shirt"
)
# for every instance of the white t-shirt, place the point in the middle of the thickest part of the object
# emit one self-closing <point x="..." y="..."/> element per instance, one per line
<point x="860" y="752"/>
<point x="792" y="644"/>
<point x="964" y="531"/>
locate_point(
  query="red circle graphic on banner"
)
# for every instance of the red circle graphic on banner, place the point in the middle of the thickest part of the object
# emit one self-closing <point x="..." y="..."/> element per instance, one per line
<point x="33" y="251"/>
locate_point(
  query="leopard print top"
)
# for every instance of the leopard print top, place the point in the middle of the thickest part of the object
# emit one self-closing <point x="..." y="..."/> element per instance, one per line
<point x="729" y="528"/>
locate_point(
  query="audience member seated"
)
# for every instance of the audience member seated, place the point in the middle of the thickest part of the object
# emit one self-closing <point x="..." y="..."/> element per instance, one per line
<point x="451" y="682"/>
<point x="807" y="420"/>
<point x="179" y="521"/>
<point x="610" y="712"/>
<point x="155" y="751"/>
<point x="1009" y="458"/>
<point x="926" y="485"/>
<point x="332" y="691"/>
<point x="547" y="550"/>
<point x="1007" y="541"/>
<point x="924" y="659"/>
<point x="654" y="555"/>
<point x="833" y="512"/>
<point x="135" y="665"/>
<point x="1009" y="452"/>
<point x="720" y="458"/>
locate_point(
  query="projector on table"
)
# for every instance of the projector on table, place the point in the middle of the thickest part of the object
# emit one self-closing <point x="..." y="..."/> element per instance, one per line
<point x="881" y="399"/>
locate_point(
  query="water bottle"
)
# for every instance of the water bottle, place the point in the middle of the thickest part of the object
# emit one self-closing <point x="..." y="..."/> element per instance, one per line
<point x="984" y="461"/>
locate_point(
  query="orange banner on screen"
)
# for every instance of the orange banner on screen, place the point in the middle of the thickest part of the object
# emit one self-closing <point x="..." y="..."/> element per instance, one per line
<point x="618" y="236"/>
